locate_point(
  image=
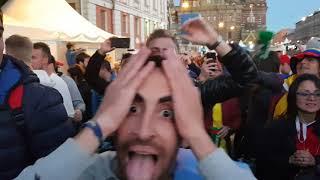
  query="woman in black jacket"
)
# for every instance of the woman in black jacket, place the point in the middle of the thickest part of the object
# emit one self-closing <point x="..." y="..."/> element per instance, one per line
<point x="291" y="146"/>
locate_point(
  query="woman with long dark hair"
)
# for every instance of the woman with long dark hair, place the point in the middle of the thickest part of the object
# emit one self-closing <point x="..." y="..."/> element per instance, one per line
<point x="291" y="147"/>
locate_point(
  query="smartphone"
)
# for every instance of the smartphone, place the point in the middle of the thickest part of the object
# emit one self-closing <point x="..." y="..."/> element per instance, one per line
<point x="212" y="56"/>
<point x="120" y="42"/>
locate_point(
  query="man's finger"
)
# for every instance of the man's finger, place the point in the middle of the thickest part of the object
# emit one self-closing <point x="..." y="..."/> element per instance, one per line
<point x="135" y="65"/>
<point x="187" y="37"/>
<point x="170" y="72"/>
<point x="133" y="60"/>
<point x="192" y="23"/>
<point x="177" y="69"/>
<point x="186" y="26"/>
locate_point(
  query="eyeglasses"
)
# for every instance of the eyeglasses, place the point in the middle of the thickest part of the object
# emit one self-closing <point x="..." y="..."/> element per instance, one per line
<point x="308" y="95"/>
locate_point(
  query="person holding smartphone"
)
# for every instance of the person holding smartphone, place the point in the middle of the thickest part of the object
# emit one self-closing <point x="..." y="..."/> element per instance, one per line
<point x="211" y="68"/>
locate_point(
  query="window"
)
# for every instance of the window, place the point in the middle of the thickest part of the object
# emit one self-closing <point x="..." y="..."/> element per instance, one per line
<point x="109" y="21"/>
<point x="137" y="28"/>
<point x="125" y="24"/>
<point x="152" y="26"/>
<point x="155" y="5"/>
<point x="195" y="3"/>
<point x="147" y="3"/>
<point x="229" y="35"/>
<point x="146" y="29"/>
<point x="161" y="6"/>
<point x="104" y="19"/>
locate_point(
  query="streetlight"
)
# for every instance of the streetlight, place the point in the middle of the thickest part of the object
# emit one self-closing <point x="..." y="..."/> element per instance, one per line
<point x="221" y="24"/>
<point x="185" y="5"/>
<point x="232" y="28"/>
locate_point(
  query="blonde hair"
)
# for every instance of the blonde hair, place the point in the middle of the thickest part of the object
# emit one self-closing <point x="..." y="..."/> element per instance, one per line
<point x="162" y="33"/>
<point x="19" y="47"/>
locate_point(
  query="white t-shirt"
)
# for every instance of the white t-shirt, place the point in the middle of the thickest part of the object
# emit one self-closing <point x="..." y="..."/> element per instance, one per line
<point x="62" y="87"/>
<point x="57" y="83"/>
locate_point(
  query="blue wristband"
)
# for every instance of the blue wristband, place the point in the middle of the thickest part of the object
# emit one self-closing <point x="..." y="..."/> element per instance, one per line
<point x="94" y="126"/>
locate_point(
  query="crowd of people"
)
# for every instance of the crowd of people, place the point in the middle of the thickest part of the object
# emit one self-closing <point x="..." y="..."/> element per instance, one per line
<point x="164" y="114"/>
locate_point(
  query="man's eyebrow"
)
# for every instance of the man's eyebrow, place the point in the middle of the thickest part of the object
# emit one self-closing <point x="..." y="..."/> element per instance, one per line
<point x="138" y="98"/>
<point x="165" y="99"/>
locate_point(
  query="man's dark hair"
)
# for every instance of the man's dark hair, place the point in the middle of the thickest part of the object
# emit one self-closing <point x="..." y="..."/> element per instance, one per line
<point x="125" y="59"/>
<point x="19" y="47"/>
<point x="161" y="33"/>
<point x="126" y="56"/>
<point x="44" y="48"/>
<point x="106" y="65"/>
<point x="156" y="59"/>
<point x="52" y="60"/>
<point x="81" y="57"/>
<point x="69" y="45"/>
<point x="76" y="74"/>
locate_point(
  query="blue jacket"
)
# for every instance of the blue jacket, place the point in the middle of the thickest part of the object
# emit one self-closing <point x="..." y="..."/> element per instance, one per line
<point x="45" y="118"/>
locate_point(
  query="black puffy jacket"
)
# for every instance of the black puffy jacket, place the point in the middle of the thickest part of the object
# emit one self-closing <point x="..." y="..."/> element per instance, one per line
<point x="243" y="76"/>
<point x="46" y="125"/>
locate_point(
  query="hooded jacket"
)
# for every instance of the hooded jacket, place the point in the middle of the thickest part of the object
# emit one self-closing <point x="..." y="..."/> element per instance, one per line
<point x="45" y="118"/>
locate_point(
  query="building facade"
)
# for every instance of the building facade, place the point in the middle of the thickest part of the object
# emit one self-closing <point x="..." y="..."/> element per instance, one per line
<point x="130" y="18"/>
<point x="234" y="19"/>
<point x="306" y="28"/>
<point x="281" y="36"/>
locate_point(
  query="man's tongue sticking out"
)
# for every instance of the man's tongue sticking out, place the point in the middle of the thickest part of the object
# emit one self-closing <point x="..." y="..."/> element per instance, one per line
<point x="140" y="167"/>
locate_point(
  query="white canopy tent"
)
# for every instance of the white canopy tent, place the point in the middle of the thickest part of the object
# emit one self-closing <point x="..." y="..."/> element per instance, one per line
<point x="52" y="19"/>
<point x="54" y="22"/>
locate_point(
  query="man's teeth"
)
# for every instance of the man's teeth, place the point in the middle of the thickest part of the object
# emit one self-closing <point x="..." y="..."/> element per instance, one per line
<point x="154" y="157"/>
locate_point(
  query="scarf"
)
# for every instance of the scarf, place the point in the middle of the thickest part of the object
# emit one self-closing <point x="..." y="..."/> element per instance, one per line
<point x="282" y="105"/>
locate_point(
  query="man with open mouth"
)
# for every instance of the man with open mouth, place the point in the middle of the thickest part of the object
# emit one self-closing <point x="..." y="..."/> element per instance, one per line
<point x="150" y="109"/>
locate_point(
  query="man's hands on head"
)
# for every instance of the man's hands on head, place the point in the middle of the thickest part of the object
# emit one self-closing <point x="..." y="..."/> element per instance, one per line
<point x="187" y="107"/>
<point x="117" y="100"/>
<point x="121" y="92"/>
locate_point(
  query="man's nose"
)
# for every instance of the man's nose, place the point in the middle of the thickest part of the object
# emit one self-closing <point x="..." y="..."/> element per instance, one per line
<point x="146" y="130"/>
